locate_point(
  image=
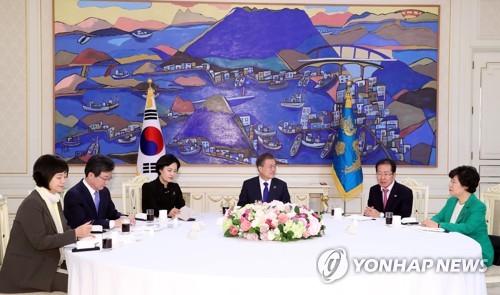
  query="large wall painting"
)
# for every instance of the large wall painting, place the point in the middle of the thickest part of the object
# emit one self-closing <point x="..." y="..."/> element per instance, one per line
<point x="233" y="81"/>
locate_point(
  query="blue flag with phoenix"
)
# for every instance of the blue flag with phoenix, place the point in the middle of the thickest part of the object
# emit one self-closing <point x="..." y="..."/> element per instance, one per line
<point x="347" y="172"/>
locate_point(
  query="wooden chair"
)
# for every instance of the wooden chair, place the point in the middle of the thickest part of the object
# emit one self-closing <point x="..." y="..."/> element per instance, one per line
<point x="420" y="198"/>
<point x="132" y="194"/>
<point x="493" y="272"/>
<point x="4" y="227"/>
<point x="489" y="197"/>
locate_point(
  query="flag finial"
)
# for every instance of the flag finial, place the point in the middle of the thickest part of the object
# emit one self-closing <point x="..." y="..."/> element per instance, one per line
<point x="150" y="95"/>
<point x="348" y="96"/>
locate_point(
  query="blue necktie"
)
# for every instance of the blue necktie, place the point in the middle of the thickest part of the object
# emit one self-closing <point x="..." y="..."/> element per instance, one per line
<point x="265" y="193"/>
<point x="97" y="200"/>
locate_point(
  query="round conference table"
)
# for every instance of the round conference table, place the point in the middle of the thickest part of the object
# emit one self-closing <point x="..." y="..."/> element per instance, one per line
<point x="182" y="261"/>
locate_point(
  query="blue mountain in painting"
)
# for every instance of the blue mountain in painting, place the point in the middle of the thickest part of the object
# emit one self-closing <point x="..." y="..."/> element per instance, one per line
<point x="398" y="76"/>
<point x="221" y="126"/>
<point x="257" y="34"/>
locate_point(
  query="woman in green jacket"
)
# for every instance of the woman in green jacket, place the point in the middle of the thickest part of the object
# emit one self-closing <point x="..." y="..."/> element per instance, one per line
<point x="464" y="212"/>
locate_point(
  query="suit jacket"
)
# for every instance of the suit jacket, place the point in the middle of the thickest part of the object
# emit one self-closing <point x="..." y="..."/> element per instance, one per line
<point x="79" y="207"/>
<point x="471" y="222"/>
<point x="250" y="192"/>
<point x="32" y="255"/>
<point x="400" y="200"/>
<point x="155" y="196"/>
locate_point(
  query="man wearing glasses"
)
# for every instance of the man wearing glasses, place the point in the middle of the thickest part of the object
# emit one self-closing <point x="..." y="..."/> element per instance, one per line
<point x="265" y="187"/>
<point x="90" y="200"/>
<point x="388" y="195"/>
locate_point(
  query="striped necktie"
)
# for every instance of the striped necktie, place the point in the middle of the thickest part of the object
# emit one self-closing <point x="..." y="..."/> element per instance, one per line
<point x="97" y="200"/>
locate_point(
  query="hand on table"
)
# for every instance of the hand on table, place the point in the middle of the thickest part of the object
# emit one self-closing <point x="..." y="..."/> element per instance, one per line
<point x="429" y="223"/>
<point x="174" y="212"/>
<point x="371" y="212"/>
<point x="84" y="230"/>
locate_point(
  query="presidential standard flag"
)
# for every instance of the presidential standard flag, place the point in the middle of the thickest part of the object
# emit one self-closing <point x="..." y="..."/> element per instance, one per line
<point x="151" y="146"/>
<point x="347" y="172"/>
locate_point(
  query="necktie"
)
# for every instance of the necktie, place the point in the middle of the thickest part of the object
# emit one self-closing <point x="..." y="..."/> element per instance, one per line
<point x="385" y="196"/>
<point x="97" y="200"/>
<point x="265" y="193"/>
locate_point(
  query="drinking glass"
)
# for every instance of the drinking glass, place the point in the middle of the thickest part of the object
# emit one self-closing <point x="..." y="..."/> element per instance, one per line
<point x="125" y="225"/>
<point x="388" y="217"/>
<point x="107" y="242"/>
<point x="150" y="215"/>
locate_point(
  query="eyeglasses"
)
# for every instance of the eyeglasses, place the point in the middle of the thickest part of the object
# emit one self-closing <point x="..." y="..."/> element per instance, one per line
<point x="270" y="166"/>
<point x="105" y="179"/>
<point x="386" y="174"/>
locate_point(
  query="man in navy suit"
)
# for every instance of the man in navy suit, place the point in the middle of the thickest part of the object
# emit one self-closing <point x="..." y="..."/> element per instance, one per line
<point x="264" y="187"/>
<point x="388" y="195"/>
<point x="90" y="198"/>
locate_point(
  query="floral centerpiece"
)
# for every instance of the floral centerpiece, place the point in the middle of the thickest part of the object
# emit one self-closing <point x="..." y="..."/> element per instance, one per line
<point x="273" y="221"/>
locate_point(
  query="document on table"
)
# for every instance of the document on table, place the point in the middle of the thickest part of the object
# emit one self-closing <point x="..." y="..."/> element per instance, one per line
<point x="360" y="217"/>
<point x="431" y="229"/>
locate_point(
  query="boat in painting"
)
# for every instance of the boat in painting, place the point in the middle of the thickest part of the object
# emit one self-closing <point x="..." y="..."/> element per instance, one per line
<point x="310" y="141"/>
<point x="102" y="107"/>
<point x="120" y="74"/>
<point x="141" y="33"/>
<point x="127" y="139"/>
<point x="72" y="141"/>
<point x="295" y="101"/>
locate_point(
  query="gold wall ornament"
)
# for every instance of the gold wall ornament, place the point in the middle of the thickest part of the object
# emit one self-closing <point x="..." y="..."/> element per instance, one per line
<point x="340" y="148"/>
<point x="324" y="201"/>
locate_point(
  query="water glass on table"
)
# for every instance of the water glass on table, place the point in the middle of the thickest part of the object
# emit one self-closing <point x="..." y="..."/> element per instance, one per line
<point x="107" y="241"/>
<point x="125" y="225"/>
<point x="150" y="215"/>
<point x="388" y="217"/>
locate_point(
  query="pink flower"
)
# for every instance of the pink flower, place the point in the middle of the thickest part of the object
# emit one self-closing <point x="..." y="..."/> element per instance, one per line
<point x="283" y="218"/>
<point x="314" y="226"/>
<point x="264" y="228"/>
<point x="260" y="222"/>
<point x="233" y="231"/>
<point x="252" y="237"/>
<point x="246" y="225"/>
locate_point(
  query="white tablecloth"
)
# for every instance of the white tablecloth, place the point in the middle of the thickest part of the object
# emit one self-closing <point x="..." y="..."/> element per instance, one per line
<point x="169" y="261"/>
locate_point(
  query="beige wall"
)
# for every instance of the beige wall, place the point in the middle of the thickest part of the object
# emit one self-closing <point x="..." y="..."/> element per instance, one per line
<point x="26" y="100"/>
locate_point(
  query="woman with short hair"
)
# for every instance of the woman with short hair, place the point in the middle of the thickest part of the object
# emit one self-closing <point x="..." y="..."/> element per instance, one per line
<point x="34" y="260"/>
<point x="162" y="193"/>
<point x="464" y="212"/>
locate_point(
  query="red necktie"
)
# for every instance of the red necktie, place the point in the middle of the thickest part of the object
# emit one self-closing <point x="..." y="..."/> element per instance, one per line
<point x="385" y="196"/>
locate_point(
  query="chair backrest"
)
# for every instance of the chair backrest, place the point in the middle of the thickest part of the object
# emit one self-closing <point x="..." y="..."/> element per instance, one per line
<point x="495" y="241"/>
<point x="132" y="194"/>
<point x="489" y="197"/>
<point x="420" y="198"/>
<point x="4" y="227"/>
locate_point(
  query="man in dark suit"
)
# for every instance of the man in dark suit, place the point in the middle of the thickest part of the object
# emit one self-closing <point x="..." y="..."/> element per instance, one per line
<point x="264" y="187"/>
<point x="388" y="195"/>
<point x="90" y="198"/>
